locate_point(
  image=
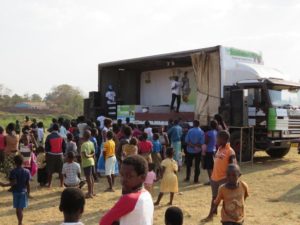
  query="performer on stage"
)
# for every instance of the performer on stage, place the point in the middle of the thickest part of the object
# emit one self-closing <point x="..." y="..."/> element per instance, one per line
<point x="176" y="93"/>
<point x="110" y="96"/>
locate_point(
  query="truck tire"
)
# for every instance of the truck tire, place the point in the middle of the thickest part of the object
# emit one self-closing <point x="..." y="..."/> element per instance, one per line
<point x="278" y="153"/>
<point x="235" y="144"/>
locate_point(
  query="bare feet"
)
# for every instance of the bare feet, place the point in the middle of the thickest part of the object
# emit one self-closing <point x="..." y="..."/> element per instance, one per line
<point x="109" y="190"/>
<point x="207" y="219"/>
<point x="87" y="196"/>
<point x="156" y="203"/>
<point x="170" y="203"/>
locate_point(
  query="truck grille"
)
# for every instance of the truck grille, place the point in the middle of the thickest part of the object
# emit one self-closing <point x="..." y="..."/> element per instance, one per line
<point x="294" y="124"/>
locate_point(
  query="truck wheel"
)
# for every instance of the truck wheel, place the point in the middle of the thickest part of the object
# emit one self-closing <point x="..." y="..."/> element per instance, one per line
<point x="278" y="153"/>
<point x="235" y="144"/>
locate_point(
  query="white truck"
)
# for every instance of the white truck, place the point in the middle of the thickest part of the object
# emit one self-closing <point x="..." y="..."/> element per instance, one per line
<point x="227" y="81"/>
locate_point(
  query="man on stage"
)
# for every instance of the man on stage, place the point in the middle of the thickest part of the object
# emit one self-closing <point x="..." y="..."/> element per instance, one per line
<point x="176" y="93"/>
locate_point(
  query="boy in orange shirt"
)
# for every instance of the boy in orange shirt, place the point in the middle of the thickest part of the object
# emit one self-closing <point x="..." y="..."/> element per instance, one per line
<point x="233" y="194"/>
<point x="224" y="156"/>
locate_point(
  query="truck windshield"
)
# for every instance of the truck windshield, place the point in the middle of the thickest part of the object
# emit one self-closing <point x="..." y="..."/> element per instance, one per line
<point x="285" y="97"/>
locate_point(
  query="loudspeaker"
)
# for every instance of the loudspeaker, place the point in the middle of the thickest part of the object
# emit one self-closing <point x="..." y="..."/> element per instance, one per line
<point x="95" y="99"/>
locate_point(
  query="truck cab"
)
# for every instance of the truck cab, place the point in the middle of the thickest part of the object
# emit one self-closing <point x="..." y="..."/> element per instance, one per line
<point x="271" y="106"/>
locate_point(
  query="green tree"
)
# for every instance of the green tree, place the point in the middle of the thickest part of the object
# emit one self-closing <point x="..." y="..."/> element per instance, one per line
<point x="36" y="98"/>
<point x="15" y="99"/>
<point x="66" y="99"/>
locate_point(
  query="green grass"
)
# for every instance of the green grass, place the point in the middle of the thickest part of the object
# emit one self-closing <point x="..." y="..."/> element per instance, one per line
<point x="6" y="118"/>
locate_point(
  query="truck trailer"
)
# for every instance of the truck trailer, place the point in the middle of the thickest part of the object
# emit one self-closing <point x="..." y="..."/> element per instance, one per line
<point x="222" y="80"/>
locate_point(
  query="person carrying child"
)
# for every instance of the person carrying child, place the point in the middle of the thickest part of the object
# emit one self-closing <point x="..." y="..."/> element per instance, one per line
<point x="224" y="156"/>
<point x="42" y="170"/>
<point x="19" y="179"/>
<point x="88" y="162"/>
<point x="169" y="182"/>
<point x="135" y="207"/>
<point x="72" y="204"/>
<point x="110" y="160"/>
<point x="150" y="178"/>
<point x="233" y="194"/>
<point x="72" y="172"/>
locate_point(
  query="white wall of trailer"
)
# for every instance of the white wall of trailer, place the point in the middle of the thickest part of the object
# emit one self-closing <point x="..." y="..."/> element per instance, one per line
<point x="156" y="87"/>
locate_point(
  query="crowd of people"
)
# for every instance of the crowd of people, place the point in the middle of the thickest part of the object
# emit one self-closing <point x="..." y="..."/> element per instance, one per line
<point x="140" y="154"/>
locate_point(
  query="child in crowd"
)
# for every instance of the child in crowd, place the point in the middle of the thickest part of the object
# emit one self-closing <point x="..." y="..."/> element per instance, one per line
<point x="145" y="147"/>
<point x="94" y="135"/>
<point x="72" y="206"/>
<point x="130" y="149"/>
<point x="210" y="150"/>
<point x="136" y="132"/>
<point x="88" y="162"/>
<point x="94" y="139"/>
<point x="135" y="206"/>
<point x="233" y="194"/>
<point x="173" y="216"/>
<point x="42" y="170"/>
<point x="2" y="148"/>
<point x="72" y="171"/>
<point x="169" y="182"/>
<point x="156" y="152"/>
<point x="71" y="145"/>
<point x="26" y="146"/>
<point x="110" y="160"/>
<point x="148" y="130"/>
<point x="40" y="133"/>
<point x="20" y="187"/>
<point x="26" y="150"/>
<point x="164" y="141"/>
<point x="224" y="156"/>
<point x="150" y="178"/>
<point x="18" y="127"/>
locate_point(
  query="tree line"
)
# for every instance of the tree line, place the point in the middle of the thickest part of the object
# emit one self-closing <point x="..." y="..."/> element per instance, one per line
<point x="62" y="98"/>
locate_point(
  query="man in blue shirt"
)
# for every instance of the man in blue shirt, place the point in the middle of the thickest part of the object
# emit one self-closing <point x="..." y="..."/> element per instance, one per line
<point x="175" y="134"/>
<point x="195" y="138"/>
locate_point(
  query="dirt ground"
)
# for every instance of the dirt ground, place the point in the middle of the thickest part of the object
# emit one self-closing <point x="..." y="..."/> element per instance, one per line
<point x="274" y="188"/>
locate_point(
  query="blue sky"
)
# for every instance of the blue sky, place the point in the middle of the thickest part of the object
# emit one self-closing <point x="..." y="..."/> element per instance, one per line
<point x="50" y="42"/>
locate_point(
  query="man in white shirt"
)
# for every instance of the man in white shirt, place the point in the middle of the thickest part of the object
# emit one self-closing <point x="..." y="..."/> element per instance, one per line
<point x="110" y="96"/>
<point x="176" y="93"/>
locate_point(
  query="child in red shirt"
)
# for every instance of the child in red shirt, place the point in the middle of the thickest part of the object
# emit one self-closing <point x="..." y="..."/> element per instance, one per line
<point x="135" y="205"/>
